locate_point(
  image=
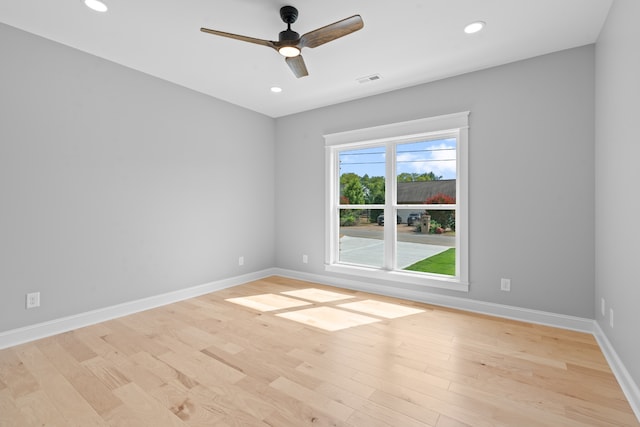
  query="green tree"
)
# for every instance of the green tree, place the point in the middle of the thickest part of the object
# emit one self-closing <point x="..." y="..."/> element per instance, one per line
<point x="373" y="189"/>
<point x="418" y="177"/>
<point x="346" y="177"/>
<point x="374" y="194"/>
<point x="352" y="189"/>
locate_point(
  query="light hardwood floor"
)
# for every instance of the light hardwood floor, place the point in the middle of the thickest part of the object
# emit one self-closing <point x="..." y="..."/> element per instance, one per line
<point x="281" y="352"/>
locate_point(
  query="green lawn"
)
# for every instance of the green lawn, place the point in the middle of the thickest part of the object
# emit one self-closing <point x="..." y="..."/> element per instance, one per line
<point x="443" y="263"/>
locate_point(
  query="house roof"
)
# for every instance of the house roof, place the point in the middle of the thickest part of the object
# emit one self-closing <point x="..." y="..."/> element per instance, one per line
<point x="418" y="192"/>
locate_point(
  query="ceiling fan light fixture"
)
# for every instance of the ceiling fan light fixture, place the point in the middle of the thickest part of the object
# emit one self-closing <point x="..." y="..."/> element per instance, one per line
<point x="474" y="27"/>
<point x="289" y="51"/>
<point x="96" y="5"/>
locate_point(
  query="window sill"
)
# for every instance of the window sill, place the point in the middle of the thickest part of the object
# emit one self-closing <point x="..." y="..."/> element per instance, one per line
<point x="441" y="282"/>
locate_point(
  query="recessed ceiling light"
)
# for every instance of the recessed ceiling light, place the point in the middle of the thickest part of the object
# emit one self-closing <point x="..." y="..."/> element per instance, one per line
<point x="276" y="89"/>
<point x="474" y="27"/>
<point x="96" y="5"/>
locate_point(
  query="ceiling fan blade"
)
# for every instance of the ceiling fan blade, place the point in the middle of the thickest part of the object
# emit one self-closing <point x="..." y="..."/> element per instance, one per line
<point x="297" y="66"/>
<point x="331" y="32"/>
<point x="262" y="42"/>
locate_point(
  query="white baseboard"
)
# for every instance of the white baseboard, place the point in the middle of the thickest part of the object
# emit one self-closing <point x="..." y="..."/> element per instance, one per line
<point x="629" y="387"/>
<point x="45" y="329"/>
<point x="64" y="324"/>
<point x="516" y="313"/>
<point x="57" y="326"/>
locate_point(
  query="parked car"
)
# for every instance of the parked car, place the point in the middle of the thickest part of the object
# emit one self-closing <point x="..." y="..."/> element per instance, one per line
<point x="381" y="219"/>
<point x="413" y="218"/>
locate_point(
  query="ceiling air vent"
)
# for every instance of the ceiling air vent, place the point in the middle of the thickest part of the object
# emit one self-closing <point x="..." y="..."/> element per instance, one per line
<point x="367" y="79"/>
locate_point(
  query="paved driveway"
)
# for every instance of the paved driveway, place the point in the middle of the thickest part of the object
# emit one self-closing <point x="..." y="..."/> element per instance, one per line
<point x="368" y="251"/>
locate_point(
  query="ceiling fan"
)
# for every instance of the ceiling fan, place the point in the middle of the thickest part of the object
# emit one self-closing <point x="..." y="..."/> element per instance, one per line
<point x="290" y="43"/>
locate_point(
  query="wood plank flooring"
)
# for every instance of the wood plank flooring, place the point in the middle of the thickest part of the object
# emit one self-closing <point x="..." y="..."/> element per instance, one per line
<point x="281" y="352"/>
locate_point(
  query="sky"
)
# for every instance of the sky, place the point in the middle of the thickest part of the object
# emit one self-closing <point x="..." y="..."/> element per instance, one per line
<point x="437" y="156"/>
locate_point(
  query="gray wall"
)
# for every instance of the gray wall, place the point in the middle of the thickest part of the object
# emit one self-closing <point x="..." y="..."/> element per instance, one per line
<point x="531" y="176"/>
<point x="116" y="186"/>
<point x="618" y="180"/>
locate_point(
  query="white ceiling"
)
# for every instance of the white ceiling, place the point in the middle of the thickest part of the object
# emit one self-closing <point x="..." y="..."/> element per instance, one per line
<point x="406" y="42"/>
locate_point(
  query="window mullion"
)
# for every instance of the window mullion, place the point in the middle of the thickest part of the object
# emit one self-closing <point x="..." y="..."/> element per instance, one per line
<point x="390" y="227"/>
<point x="333" y="248"/>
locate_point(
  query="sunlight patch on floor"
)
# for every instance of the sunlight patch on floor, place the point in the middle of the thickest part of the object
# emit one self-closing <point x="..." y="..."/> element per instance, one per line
<point x="328" y="318"/>
<point x="322" y="315"/>
<point x="317" y="295"/>
<point x="268" y="302"/>
<point x="381" y="309"/>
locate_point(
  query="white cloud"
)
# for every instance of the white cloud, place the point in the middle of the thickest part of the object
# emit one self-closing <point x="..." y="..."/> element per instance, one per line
<point x="441" y="162"/>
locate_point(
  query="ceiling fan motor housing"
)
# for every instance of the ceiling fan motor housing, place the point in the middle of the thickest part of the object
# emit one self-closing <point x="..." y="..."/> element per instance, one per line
<point x="289" y="36"/>
<point x="289" y="15"/>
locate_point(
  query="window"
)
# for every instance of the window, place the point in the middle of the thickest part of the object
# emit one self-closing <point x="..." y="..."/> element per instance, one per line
<point x="397" y="202"/>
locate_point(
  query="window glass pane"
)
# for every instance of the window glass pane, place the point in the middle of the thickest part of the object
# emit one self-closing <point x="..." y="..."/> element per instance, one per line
<point x="361" y="239"/>
<point x="426" y="244"/>
<point x="426" y="172"/>
<point x="362" y="176"/>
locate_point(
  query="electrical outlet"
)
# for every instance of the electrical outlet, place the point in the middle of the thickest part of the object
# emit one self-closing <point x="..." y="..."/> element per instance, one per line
<point x="602" y="307"/>
<point x="505" y="285"/>
<point x="305" y="259"/>
<point x="33" y="300"/>
<point x="241" y="261"/>
<point x="611" y="317"/>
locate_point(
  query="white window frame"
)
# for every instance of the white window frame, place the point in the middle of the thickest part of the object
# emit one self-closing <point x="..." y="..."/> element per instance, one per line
<point x="457" y="125"/>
